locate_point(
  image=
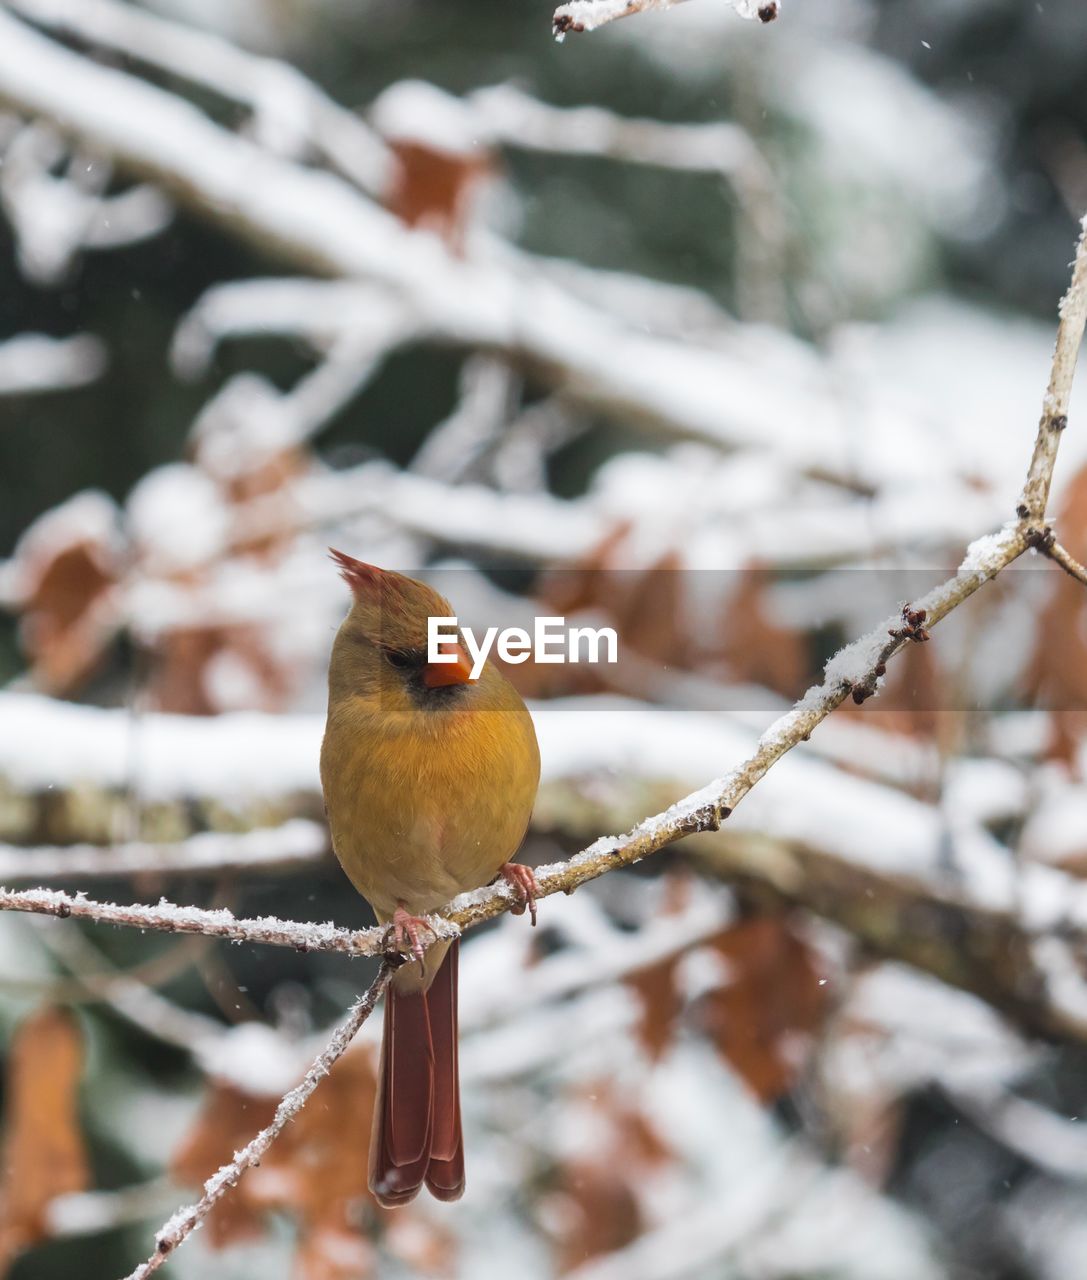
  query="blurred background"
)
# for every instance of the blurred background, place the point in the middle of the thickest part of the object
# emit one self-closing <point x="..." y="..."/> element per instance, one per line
<point x="731" y="336"/>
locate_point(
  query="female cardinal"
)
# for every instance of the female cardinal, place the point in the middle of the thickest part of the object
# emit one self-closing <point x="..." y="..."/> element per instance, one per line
<point x="429" y="780"/>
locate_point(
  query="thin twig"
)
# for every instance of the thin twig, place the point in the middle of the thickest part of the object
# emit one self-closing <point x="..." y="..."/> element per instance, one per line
<point x="1067" y="561"/>
<point x="587" y="15"/>
<point x="178" y="1229"/>
<point x="1073" y="313"/>
<point x="165" y="917"/>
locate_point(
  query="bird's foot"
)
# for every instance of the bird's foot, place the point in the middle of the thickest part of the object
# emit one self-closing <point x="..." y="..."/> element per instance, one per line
<point x="404" y="925"/>
<point x="522" y="880"/>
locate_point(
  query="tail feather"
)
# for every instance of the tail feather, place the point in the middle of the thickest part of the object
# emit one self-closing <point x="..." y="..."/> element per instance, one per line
<point x="417" y="1128"/>
<point x="445" y="1173"/>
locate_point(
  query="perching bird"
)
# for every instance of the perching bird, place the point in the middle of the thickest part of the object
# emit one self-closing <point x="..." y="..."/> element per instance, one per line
<point x="429" y="781"/>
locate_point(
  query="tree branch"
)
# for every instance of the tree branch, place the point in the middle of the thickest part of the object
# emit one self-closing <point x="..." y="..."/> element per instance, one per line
<point x="1073" y="313"/>
<point x="166" y="917"/>
<point x="1045" y="542"/>
<point x="317" y="223"/>
<point x="32" y="363"/>
<point x="298" y="842"/>
<point x="290" y="113"/>
<point x="178" y="1229"/>
<point x="588" y="15"/>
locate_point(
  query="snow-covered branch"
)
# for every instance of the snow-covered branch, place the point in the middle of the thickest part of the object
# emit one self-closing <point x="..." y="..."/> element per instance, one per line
<point x="166" y="917"/>
<point x="290" y="114"/>
<point x="183" y="1223"/>
<point x="54" y="217"/>
<point x="1054" y="420"/>
<point x="32" y="363"/>
<point x="296" y="843"/>
<point x="314" y="221"/>
<point x="587" y="15"/>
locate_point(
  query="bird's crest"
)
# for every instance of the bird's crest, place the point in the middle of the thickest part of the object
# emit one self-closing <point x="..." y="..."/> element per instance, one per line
<point x="393" y="595"/>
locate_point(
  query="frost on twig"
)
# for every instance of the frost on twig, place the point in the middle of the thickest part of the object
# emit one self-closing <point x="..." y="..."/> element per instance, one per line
<point x="587" y="15"/>
<point x="178" y="1229"/>
<point x="1073" y="314"/>
<point x="166" y="917"/>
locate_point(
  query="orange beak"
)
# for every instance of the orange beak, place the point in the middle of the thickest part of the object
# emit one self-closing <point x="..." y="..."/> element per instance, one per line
<point x="437" y="675"/>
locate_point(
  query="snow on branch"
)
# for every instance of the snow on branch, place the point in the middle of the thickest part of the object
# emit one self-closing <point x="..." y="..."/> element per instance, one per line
<point x="183" y="1223"/>
<point x="1043" y="540"/>
<point x="1073" y="315"/>
<point x="32" y="362"/>
<point x="855" y="671"/>
<point x="166" y="917"/>
<point x="297" y="843"/>
<point x="314" y="221"/>
<point x="53" y="217"/>
<point x="290" y="114"/>
<point x="587" y="15"/>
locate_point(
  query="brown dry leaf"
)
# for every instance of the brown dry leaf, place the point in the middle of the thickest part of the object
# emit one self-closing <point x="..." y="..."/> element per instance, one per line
<point x="267" y="485"/>
<point x="67" y="566"/>
<point x="652" y="610"/>
<point x="229" y="1119"/>
<point x="433" y="189"/>
<point x="655" y="985"/>
<point x="182" y="680"/>
<point x="1057" y="676"/>
<point x="645" y="606"/>
<point x="598" y="1213"/>
<point x="755" y="649"/>
<point x="596" y="1207"/>
<point x="43" y="1150"/>
<point x="764" y="1016"/>
<point x="315" y="1172"/>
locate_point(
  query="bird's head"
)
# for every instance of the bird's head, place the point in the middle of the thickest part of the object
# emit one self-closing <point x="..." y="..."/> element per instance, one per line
<point x="381" y="648"/>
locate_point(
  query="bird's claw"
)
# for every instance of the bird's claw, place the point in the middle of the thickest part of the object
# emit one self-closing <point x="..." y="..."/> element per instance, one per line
<point x="522" y="880"/>
<point x="406" y="925"/>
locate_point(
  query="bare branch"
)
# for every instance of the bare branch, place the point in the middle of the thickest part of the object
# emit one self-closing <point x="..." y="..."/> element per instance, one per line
<point x="1073" y="314"/>
<point x="1045" y="542"/>
<point x="178" y="1229"/>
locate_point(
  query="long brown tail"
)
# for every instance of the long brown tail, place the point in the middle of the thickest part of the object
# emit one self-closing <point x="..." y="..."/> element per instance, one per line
<point x="417" y="1132"/>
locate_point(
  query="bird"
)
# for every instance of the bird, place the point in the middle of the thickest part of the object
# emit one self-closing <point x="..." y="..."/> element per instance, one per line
<point x="429" y="779"/>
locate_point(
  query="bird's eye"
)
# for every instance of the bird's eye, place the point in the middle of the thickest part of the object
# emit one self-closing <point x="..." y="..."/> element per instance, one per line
<point x="399" y="659"/>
